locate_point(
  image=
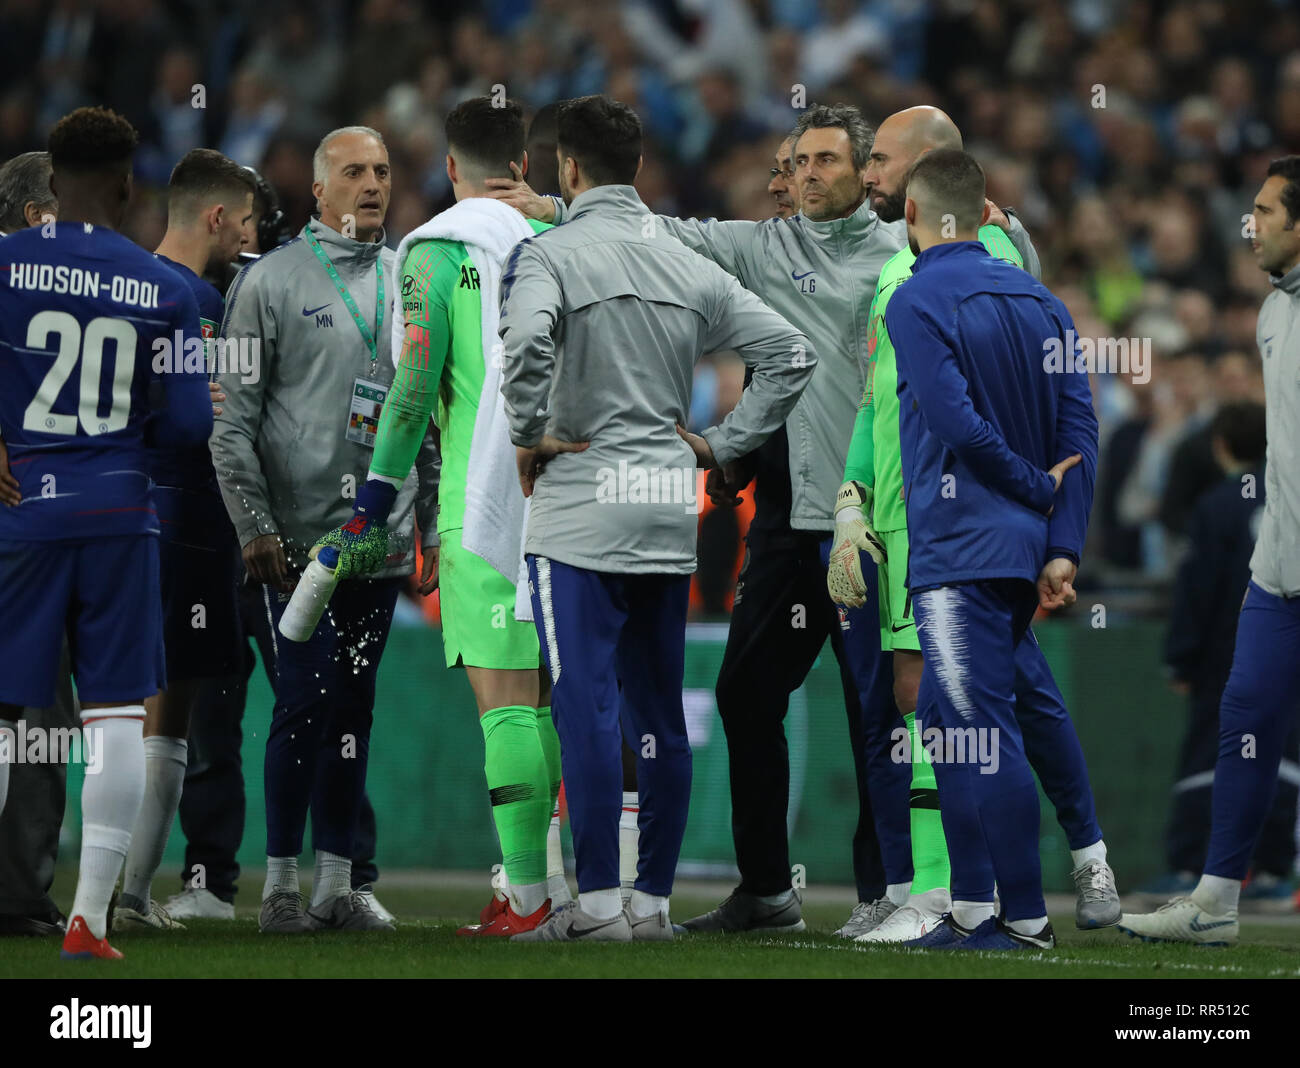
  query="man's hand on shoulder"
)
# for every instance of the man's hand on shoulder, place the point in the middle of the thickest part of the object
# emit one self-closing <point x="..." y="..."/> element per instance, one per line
<point x="520" y="196"/>
<point x="998" y="217"/>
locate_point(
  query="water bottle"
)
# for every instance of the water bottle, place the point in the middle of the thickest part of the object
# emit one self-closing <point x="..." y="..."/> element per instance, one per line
<point x="311" y="597"/>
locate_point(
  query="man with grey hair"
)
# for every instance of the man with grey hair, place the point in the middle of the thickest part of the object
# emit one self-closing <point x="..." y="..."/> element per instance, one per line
<point x="818" y="268"/>
<point x="291" y="448"/>
<point x="25" y="195"/>
<point x="29" y="827"/>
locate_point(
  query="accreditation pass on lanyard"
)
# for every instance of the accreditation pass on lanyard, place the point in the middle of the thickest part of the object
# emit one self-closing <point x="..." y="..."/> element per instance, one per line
<point x="367" y="394"/>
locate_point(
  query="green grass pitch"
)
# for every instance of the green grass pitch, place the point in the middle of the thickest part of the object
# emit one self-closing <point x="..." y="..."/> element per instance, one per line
<point x="425" y="945"/>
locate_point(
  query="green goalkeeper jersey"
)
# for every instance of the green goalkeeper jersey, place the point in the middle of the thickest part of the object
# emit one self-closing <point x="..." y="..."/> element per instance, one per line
<point x="440" y="371"/>
<point x="875" y="454"/>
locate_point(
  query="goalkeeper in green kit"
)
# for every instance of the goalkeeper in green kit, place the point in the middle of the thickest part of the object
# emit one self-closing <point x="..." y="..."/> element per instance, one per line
<point x="870" y="515"/>
<point x="450" y="368"/>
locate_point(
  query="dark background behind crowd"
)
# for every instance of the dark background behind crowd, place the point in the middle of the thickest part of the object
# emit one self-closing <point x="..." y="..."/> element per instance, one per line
<point x="1129" y="135"/>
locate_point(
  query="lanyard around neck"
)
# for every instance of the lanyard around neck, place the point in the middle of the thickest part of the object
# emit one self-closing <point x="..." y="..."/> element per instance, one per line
<point x="367" y="336"/>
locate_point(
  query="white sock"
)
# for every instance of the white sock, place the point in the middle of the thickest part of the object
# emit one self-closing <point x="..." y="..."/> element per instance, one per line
<point x="527" y="899"/>
<point x="1217" y="895"/>
<point x="647" y="904"/>
<point x="110" y="805"/>
<point x="557" y="887"/>
<point x="1028" y="927"/>
<point x="629" y="843"/>
<point x="936" y="901"/>
<point x="9" y="729"/>
<point x="333" y="877"/>
<point x="281" y="874"/>
<point x="970" y="914"/>
<point x="601" y="904"/>
<point x="897" y="892"/>
<point x="164" y="776"/>
<point x="1086" y="855"/>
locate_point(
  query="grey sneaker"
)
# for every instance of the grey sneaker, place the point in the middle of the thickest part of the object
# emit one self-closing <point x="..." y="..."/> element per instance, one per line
<point x="156" y="917"/>
<point x="745" y="912"/>
<point x="1098" y="904"/>
<point x="346" y="912"/>
<point x="570" y="924"/>
<point x="654" y="928"/>
<point x="376" y="906"/>
<point x="282" y="913"/>
<point x="866" y="916"/>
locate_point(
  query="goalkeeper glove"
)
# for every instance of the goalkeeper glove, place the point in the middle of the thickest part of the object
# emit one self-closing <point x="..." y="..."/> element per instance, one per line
<point x="853" y="533"/>
<point x="362" y="542"/>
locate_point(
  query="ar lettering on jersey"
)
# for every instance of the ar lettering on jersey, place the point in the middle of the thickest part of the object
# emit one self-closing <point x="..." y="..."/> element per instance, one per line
<point x="468" y="278"/>
<point x="79" y="282"/>
<point x="807" y="283"/>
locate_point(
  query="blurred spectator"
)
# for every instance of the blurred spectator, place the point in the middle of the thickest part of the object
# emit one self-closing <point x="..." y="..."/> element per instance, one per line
<point x="1194" y="467"/>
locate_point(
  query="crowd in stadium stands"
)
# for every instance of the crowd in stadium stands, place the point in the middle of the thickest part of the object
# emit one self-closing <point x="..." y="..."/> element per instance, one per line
<point x="1130" y="135"/>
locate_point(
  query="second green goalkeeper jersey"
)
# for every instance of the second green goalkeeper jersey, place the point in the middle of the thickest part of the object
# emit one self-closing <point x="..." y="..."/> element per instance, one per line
<point x="875" y="454"/>
<point x="440" y="371"/>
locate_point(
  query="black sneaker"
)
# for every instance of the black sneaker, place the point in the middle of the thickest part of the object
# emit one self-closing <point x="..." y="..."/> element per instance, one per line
<point x="745" y="912"/>
<point x="996" y="935"/>
<point x="32" y="926"/>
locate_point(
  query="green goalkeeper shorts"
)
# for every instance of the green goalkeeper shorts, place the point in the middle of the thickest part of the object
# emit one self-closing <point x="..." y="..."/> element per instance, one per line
<point x="897" y="625"/>
<point x="479" y="628"/>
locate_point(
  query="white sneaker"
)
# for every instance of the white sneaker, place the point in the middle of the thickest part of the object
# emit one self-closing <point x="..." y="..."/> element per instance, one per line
<point x="194" y="904"/>
<point x="1183" y="920"/>
<point x="157" y="918"/>
<point x="903" y="925"/>
<point x="368" y="893"/>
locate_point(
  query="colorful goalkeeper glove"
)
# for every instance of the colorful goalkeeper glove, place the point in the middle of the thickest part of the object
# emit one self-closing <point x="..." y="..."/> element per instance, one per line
<point x="853" y="533"/>
<point x="362" y="542"/>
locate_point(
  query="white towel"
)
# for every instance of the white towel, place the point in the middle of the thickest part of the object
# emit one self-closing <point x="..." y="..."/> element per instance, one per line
<point x="495" y="508"/>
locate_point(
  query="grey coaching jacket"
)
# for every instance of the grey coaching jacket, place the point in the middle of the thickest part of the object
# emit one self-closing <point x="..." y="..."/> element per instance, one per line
<point x="283" y="460"/>
<point x="1275" y="564"/>
<point x="821" y="276"/>
<point x="602" y="322"/>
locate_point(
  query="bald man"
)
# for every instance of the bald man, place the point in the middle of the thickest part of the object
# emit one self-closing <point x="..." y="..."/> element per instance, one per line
<point x="870" y="514"/>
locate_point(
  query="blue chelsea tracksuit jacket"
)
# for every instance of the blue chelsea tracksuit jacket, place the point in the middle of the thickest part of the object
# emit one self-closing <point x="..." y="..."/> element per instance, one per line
<point x="982" y="419"/>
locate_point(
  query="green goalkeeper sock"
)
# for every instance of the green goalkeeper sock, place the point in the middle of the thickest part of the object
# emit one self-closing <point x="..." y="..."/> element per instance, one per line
<point x="551" y="747"/>
<point x="929" y="847"/>
<point x="521" y="799"/>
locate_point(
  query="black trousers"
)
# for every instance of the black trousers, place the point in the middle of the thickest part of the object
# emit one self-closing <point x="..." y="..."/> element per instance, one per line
<point x="33" y="815"/>
<point x="767" y="658"/>
<point x="212" y="809"/>
<point x="1187" y="836"/>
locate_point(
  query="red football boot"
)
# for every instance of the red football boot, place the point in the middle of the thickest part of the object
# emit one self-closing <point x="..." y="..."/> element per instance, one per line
<point x="80" y="944"/>
<point x="491" y="911"/>
<point x="508" y="923"/>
